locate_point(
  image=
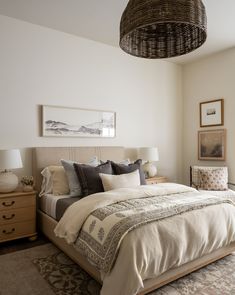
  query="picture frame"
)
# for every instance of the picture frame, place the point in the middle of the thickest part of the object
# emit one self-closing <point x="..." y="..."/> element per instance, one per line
<point x="212" y="113"/>
<point x="59" y="121"/>
<point x="212" y="145"/>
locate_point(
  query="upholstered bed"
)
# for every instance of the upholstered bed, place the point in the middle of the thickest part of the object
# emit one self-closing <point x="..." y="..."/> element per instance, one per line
<point x="153" y="250"/>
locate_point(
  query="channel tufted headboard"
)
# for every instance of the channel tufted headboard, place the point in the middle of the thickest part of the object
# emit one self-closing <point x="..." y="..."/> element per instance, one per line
<point x="45" y="156"/>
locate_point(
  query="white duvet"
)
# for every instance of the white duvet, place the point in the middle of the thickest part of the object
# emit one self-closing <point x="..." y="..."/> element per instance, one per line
<point x="152" y="249"/>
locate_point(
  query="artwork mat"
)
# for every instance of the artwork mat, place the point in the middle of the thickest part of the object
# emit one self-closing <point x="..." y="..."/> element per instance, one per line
<point x="52" y="108"/>
<point x="214" y="120"/>
<point x="222" y="142"/>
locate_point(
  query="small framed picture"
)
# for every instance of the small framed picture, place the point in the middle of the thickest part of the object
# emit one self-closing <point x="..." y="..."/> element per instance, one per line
<point x="212" y="113"/>
<point x="212" y="145"/>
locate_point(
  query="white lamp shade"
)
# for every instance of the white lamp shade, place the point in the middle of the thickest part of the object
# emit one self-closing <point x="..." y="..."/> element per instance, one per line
<point x="148" y="154"/>
<point x="10" y="159"/>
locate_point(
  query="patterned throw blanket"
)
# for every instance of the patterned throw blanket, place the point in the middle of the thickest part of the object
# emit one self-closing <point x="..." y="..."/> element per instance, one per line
<point x="105" y="228"/>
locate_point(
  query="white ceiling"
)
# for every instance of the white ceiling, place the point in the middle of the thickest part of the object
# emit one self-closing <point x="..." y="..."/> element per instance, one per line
<point x="99" y="20"/>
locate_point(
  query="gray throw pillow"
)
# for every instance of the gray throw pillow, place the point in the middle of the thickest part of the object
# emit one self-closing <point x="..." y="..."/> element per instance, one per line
<point x="89" y="178"/>
<point x="74" y="185"/>
<point x="122" y="169"/>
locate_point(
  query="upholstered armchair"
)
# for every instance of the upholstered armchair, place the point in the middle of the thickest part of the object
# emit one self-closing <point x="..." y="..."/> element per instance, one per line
<point x="212" y="180"/>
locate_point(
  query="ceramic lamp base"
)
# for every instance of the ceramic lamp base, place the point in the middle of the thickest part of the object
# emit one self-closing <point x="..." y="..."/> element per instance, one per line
<point x="150" y="170"/>
<point x="8" y="182"/>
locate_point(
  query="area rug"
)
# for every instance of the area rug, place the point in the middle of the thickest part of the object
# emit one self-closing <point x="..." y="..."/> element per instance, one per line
<point x="45" y="270"/>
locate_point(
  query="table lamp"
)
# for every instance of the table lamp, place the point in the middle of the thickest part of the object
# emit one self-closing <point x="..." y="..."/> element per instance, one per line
<point x="9" y="159"/>
<point x="149" y="154"/>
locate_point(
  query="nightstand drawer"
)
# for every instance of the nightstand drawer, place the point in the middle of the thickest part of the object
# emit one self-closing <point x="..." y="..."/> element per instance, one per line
<point x="156" y="180"/>
<point x="161" y="179"/>
<point x="152" y="182"/>
<point x="17" y="215"/>
<point x="17" y="202"/>
<point x="14" y="230"/>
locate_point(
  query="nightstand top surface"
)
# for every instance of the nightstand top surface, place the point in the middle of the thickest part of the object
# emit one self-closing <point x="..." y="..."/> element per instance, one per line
<point x="155" y="177"/>
<point x="16" y="194"/>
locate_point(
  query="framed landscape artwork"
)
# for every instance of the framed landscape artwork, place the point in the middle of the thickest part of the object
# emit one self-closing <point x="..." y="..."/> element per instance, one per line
<point x="212" y="113"/>
<point x="212" y="145"/>
<point x="74" y="122"/>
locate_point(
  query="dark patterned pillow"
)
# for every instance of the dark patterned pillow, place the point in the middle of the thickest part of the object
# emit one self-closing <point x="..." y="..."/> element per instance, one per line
<point x="89" y="178"/>
<point x="214" y="180"/>
<point x="123" y="169"/>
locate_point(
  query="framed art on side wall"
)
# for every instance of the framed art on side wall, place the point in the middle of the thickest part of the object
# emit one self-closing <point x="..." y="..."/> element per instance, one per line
<point x="212" y="145"/>
<point x="212" y="113"/>
<point x="74" y="122"/>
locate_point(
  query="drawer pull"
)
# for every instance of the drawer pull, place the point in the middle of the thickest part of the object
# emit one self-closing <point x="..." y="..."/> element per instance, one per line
<point x="8" y="232"/>
<point x="8" y="204"/>
<point x="8" y="217"/>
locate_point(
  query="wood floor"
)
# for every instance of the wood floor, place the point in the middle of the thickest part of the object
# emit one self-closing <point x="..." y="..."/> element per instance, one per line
<point x="21" y="244"/>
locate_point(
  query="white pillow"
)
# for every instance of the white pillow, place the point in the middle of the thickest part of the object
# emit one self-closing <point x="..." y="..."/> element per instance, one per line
<point x="46" y="187"/>
<point x="120" y="181"/>
<point x="54" y="181"/>
<point x="47" y="181"/>
<point x="125" y="162"/>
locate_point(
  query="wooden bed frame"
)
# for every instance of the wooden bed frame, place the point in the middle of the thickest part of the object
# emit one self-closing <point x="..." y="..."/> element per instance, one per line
<point x="43" y="157"/>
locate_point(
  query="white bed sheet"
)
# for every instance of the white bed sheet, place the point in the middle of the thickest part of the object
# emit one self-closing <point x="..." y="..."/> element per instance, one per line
<point x="226" y="193"/>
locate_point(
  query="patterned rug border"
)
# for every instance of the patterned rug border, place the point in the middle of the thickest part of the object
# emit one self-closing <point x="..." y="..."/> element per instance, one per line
<point x="64" y="276"/>
<point x="67" y="278"/>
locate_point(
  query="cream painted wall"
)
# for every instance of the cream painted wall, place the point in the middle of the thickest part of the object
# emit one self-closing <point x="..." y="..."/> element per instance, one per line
<point x="43" y="66"/>
<point x="210" y="78"/>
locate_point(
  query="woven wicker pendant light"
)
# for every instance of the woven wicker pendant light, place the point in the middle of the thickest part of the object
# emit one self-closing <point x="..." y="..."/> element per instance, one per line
<point x="162" y="28"/>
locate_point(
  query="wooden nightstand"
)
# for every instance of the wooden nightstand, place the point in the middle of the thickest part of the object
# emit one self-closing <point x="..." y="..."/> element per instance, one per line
<point x="17" y="216"/>
<point x="156" y="179"/>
